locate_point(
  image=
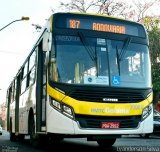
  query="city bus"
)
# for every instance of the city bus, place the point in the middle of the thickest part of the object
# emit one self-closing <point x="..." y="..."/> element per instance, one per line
<point x="87" y="76"/>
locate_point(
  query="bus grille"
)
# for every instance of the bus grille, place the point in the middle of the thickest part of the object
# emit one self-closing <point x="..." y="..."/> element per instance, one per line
<point x="95" y="122"/>
<point x="99" y="95"/>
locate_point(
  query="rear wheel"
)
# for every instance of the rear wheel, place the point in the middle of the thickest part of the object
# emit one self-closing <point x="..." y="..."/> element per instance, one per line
<point x="12" y="135"/>
<point x="106" y="143"/>
<point x="21" y="137"/>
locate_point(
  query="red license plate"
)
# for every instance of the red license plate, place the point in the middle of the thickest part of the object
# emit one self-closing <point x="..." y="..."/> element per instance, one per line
<point x="110" y="125"/>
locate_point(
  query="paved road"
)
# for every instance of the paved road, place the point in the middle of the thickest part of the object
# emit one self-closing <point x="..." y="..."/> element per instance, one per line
<point x="125" y="144"/>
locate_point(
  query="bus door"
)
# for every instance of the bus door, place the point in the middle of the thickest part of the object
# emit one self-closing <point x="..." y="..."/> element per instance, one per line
<point x="18" y="90"/>
<point x="8" y="107"/>
<point x="41" y="90"/>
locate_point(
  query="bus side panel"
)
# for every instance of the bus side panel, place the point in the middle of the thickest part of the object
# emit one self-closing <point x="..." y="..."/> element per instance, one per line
<point x="8" y="109"/>
<point x="12" y="116"/>
<point x="27" y="101"/>
<point x="22" y="111"/>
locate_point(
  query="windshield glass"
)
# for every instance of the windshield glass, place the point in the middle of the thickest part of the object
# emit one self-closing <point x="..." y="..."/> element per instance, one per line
<point x="95" y="61"/>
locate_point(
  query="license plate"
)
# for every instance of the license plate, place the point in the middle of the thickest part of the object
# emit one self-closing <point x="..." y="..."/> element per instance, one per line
<point x="110" y="125"/>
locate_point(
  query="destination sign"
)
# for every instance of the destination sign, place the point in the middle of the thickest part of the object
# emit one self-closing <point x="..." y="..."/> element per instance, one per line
<point x="99" y="24"/>
<point x="76" y="24"/>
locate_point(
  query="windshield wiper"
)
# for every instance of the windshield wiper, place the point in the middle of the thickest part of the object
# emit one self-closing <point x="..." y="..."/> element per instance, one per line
<point x="118" y="62"/>
<point x="122" y="52"/>
<point x="92" y="54"/>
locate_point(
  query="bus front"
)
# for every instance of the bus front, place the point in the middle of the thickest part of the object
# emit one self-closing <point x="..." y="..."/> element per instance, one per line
<point x="99" y="78"/>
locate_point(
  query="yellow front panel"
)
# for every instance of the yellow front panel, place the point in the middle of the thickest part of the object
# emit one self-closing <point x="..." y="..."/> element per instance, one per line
<point x="106" y="109"/>
<point x="101" y="109"/>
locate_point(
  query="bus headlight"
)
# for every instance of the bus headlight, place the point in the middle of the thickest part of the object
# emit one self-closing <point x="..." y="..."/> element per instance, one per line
<point x="56" y="104"/>
<point x="66" y="110"/>
<point x="146" y="111"/>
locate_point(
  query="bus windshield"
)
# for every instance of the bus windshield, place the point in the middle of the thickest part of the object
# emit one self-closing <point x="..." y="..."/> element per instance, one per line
<point x="98" y="61"/>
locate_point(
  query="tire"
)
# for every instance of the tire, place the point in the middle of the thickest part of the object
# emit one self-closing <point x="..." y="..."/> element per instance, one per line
<point x="12" y="136"/>
<point x="34" y="138"/>
<point x="54" y="139"/>
<point x="106" y="143"/>
<point x="144" y="135"/>
<point x="21" y="137"/>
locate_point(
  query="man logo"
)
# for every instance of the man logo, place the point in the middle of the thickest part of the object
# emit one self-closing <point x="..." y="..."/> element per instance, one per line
<point x="110" y="99"/>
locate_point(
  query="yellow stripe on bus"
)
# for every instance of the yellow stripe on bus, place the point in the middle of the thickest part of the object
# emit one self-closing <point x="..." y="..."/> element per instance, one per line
<point x="106" y="109"/>
<point x="100" y="109"/>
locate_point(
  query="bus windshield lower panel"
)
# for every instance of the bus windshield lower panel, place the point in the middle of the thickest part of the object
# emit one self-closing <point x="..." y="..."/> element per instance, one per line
<point x="97" y="61"/>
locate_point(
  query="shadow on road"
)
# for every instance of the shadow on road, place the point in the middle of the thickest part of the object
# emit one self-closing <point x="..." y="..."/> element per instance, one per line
<point x="80" y="145"/>
<point x="68" y="145"/>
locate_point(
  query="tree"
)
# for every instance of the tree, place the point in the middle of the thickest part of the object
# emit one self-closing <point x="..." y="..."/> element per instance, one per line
<point x="152" y="26"/>
<point x="154" y="39"/>
<point x="78" y="5"/>
<point x="142" y="8"/>
<point x="108" y="7"/>
<point x="135" y="10"/>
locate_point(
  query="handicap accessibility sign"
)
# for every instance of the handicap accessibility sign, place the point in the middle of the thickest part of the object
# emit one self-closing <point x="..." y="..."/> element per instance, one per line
<point x="116" y="80"/>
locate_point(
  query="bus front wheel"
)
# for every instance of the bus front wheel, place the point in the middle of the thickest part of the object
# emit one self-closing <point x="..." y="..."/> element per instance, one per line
<point x="106" y="143"/>
<point x="34" y="138"/>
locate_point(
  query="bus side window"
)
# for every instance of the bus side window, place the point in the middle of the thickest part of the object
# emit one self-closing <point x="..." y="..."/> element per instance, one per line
<point x="32" y="60"/>
<point x="31" y="77"/>
<point x="15" y="89"/>
<point x="12" y="93"/>
<point x="31" y="73"/>
<point x="24" y="77"/>
<point x="23" y="85"/>
<point x="25" y="69"/>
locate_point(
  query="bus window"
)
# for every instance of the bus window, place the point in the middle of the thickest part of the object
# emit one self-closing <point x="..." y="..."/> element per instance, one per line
<point x="32" y="60"/>
<point x="23" y="86"/>
<point x="25" y="69"/>
<point x="31" y="77"/>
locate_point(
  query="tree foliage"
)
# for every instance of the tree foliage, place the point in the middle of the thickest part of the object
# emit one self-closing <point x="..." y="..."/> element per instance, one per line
<point x="108" y="7"/>
<point x="142" y="8"/>
<point x="135" y="10"/>
<point x="152" y="26"/>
